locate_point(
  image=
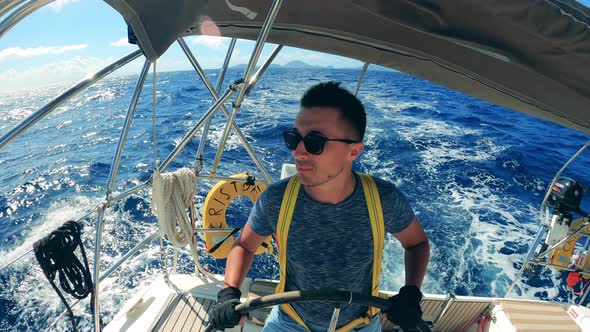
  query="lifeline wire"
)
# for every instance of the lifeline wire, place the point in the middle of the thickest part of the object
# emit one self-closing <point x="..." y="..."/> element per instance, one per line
<point x="154" y="116"/>
<point x="154" y="144"/>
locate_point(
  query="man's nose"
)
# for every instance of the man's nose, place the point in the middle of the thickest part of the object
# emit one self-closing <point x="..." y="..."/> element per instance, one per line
<point x="300" y="152"/>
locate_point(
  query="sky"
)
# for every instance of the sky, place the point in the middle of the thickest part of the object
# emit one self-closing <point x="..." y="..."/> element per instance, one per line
<point x="70" y="39"/>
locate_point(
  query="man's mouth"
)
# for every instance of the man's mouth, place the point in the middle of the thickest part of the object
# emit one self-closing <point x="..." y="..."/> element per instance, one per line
<point x="303" y="168"/>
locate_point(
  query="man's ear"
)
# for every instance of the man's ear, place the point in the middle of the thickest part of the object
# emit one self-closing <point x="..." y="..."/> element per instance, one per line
<point x="356" y="150"/>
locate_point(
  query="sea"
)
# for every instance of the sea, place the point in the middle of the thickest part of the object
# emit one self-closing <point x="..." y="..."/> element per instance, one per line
<point x="475" y="174"/>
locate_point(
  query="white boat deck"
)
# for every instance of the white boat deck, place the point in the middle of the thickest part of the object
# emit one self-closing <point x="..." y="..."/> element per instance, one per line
<point x="183" y="304"/>
<point x="183" y="313"/>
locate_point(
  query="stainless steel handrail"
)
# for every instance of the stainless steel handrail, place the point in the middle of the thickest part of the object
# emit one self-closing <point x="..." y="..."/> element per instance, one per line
<point x="128" y="193"/>
<point x="227" y="178"/>
<point x="361" y="78"/>
<point x="184" y="141"/>
<point x="234" y="126"/>
<point x="212" y="230"/>
<point x="530" y="254"/>
<point x="111" y="183"/>
<point x="556" y="178"/>
<point x="57" y="101"/>
<point x="265" y="30"/>
<point x="8" y="5"/>
<point x="96" y="274"/>
<point x="578" y="231"/>
<point x="125" y="129"/>
<point x="107" y="273"/>
<point x="263" y="68"/>
<point x="445" y="307"/>
<point x="32" y="5"/>
<point x="221" y="77"/>
<point x="125" y="257"/>
<point x="220" y="80"/>
<point x="22" y="12"/>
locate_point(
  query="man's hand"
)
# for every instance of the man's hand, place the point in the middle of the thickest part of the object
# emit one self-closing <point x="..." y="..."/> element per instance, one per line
<point x="404" y="308"/>
<point x="223" y="315"/>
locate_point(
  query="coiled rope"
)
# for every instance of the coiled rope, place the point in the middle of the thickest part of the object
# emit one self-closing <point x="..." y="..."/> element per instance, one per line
<point x="172" y="194"/>
<point x="55" y="254"/>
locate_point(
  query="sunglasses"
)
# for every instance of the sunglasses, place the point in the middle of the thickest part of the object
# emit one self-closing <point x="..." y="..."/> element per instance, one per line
<point x="314" y="143"/>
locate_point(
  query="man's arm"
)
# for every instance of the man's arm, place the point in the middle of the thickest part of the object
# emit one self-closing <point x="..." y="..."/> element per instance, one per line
<point x="240" y="257"/>
<point x="224" y="315"/>
<point x="417" y="252"/>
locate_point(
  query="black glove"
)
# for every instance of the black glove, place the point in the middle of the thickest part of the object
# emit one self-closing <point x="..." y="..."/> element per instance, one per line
<point x="223" y="315"/>
<point x="404" y="308"/>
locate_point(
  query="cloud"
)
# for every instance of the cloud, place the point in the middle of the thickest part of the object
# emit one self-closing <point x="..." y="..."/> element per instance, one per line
<point x="208" y="41"/>
<point x="35" y="51"/>
<point x="123" y="42"/>
<point x="53" y="73"/>
<point x="59" y="4"/>
<point x="240" y="57"/>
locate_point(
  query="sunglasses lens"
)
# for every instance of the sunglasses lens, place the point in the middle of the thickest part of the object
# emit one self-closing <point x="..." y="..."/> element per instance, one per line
<point x="314" y="144"/>
<point x="292" y="139"/>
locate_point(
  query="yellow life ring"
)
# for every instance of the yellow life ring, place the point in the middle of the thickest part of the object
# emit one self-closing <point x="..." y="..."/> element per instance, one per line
<point x="562" y="255"/>
<point x="214" y="213"/>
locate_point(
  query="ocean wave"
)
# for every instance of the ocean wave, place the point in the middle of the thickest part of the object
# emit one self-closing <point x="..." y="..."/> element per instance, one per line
<point x="475" y="174"/>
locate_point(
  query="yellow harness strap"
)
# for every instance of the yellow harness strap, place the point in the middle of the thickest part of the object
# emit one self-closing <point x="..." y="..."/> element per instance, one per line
<point x="377" y="225"/>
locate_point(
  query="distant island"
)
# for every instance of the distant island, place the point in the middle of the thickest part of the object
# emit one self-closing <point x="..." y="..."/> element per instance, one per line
<point x="291" y="64"/>
<point x="298" y="64"/>
<point x="301" y="64"/>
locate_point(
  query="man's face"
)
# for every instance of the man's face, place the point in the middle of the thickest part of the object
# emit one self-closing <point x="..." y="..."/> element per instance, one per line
<point x="315" y="170"/>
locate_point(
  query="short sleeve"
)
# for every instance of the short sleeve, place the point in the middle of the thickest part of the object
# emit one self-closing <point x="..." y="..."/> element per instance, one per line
<point x="397" y="212"/>
<point x="259" y="218"/>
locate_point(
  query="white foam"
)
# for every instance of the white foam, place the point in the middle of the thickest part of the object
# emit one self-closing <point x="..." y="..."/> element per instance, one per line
<point x="504" y="224"/>
<point x="216" y="134"/>
<point x="90" y="134"/>
<point x="101" y="95"/>
<point x="385" y="105"/>
<point x="120" y="232"/>
<point x="436" y="142"/>
<point x="58" y="213"/>
<point x="461" y="263"/>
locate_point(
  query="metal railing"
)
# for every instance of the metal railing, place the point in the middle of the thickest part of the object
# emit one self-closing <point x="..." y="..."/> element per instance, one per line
<point x="242" y="88"/>
<point x="71" y="92"/>
<point x="264" y="31"/>
<point x="8" y="5"/>
<point x="220" y="79"/>
<point x="533" y="258"/>
<point x="19" y="14"/>
<point x="213" y="93"/>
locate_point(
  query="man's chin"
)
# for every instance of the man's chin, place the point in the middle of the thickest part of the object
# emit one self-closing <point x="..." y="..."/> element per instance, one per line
<point x="304" y="179"/>
<point x="308" y="181"/>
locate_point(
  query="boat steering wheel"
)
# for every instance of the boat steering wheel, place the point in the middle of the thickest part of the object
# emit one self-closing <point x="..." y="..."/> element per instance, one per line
<point x="326" y="295"/>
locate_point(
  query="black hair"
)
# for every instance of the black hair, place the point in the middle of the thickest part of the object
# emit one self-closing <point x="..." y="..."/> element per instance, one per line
<point x="330" y="94"/>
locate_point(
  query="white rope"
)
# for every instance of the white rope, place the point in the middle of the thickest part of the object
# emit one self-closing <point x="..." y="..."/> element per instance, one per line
<point x="172" y="194"/>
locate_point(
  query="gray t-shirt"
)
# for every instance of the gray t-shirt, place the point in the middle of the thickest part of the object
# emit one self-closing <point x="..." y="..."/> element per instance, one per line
<point x="330" y="245"/>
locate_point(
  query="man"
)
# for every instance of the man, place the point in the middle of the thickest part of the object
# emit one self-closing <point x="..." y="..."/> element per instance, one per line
<point x="330" y="234"/>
